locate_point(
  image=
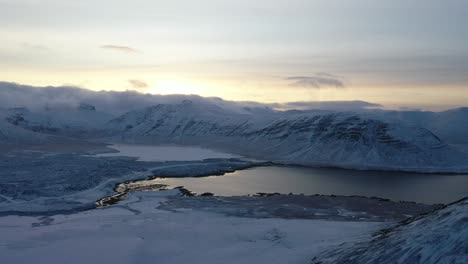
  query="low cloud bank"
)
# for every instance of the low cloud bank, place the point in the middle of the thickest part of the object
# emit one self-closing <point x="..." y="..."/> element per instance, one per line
<point x="67" y="97"/>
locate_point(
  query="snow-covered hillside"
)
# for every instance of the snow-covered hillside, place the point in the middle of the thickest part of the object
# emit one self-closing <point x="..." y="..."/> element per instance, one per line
<point x="438" y="237"/>
<point x="309" y="138"/>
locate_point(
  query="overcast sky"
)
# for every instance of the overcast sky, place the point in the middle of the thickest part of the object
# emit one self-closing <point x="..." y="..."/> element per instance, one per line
<point x="399" y="53"/>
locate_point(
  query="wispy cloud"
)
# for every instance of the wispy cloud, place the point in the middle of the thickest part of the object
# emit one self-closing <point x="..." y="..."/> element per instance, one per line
<point x="316" y="81"/>
<point x="125" y="49"/>
<point x="138" y="84"/>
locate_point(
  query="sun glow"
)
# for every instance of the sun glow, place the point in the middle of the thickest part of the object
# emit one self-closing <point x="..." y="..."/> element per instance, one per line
<point x="175" y="87"/>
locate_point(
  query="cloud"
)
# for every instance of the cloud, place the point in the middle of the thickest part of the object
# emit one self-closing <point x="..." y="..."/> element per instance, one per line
<point x="316" y="81"/>
<point x="120" y="48"/>
<point x="69" y="97"/>
<point x="137" y="84"/>
<point x="327" y="105"/>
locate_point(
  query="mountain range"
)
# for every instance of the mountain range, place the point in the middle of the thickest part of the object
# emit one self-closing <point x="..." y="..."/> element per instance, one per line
<point x="358" y="138"/>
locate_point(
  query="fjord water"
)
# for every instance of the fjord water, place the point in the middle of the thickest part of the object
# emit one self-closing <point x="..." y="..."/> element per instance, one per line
<point x="398" y="186"/>
<point x="165" y="153"/>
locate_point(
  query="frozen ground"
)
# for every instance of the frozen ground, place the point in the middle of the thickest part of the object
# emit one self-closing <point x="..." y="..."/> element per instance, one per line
<point x="135" y="231"/>
<point x="165" y="153"/>
<point x="43" y="181"/>
<point x="342" y="208"/>
<point x="48" y="182"/>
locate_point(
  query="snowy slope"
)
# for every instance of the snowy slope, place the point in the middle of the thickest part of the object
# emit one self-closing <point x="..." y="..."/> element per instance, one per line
<point x="308" y="138"/>
<point x="439" y="237"/>
<point x="79" y="121"/>
<point x="451" y="125"/>
<point x="11" y="134"/>
<point x="20" y="127"/>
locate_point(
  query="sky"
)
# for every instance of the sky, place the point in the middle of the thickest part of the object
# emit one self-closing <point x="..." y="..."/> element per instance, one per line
<point x="400" y="53"/>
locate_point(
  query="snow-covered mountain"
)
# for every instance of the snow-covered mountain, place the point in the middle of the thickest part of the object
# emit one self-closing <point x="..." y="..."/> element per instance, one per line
<point x="321" y="138"/>
<point x="438" y="237"/>
<point x="365" y="139"/>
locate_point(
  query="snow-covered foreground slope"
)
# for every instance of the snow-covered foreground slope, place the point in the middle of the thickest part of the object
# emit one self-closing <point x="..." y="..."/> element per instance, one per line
<point x="308" y="138"/>
<point x="438" y="237"/>
<point x="136" y="232"/>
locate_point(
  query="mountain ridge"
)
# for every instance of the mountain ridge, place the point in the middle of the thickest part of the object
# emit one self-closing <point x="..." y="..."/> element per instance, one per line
<point x="320" y="139"/>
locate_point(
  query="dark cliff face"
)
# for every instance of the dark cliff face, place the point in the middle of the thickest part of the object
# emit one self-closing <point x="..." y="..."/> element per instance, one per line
<point x="325" y="128"/>
<point x="348" y="130"/>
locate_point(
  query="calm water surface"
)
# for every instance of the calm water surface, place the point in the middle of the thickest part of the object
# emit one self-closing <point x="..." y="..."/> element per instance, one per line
<point x="165" y="153"/>
<point x="399" y="186"/>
